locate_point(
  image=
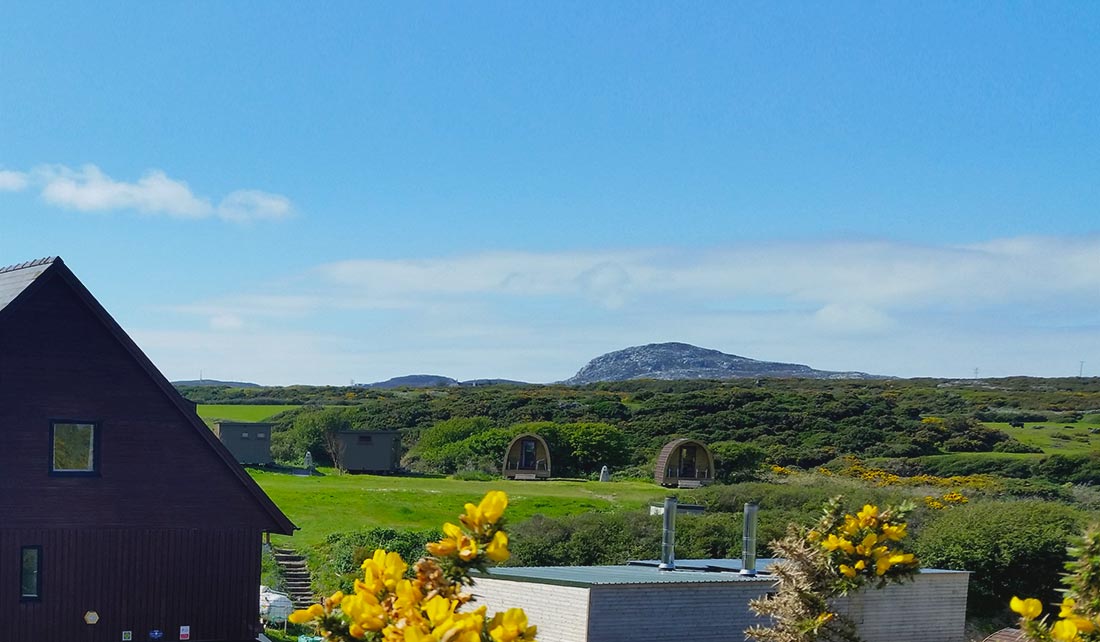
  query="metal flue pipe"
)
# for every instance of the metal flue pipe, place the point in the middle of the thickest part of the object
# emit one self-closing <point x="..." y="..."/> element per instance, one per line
<point x="748" y="541"/>
<point x="668" y="536"/>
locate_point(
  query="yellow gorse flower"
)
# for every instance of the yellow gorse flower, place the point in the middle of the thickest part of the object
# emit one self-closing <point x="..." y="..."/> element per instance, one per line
<point x="487" y="513"/>
<point x="868" y="516"/>
<point x="864" y="545"/>
<point x="1028" y="609"/>
<point x="388" y="607"/>
<point x="1064" y="631"/>
<point x="511" y="625"/>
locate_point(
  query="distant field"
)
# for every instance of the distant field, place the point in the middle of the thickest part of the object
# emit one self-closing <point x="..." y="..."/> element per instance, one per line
<point x="332" y="503"/>
<point x="231" y="412"/>
<point x="1057" y="438"/>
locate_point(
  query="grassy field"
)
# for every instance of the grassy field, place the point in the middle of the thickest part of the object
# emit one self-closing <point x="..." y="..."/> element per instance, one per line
<point x="210" y="412"/>
<point x="1057" y="438"/>
<point x="330" y="503"/>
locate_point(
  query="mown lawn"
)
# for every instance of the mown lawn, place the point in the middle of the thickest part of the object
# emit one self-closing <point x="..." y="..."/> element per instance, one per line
<point x="1056" y="438"/>
<point x="333" y="502"/>
<point x="229" y="412"/>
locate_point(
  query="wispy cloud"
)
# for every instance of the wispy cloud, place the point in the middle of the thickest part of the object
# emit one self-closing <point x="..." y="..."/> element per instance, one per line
<point x="90" y="189"/>
<point x="254" y="205"/>
<point x="860" y="275"/>
<point x="12" y="181"/>
<point x="1010" y="306"/>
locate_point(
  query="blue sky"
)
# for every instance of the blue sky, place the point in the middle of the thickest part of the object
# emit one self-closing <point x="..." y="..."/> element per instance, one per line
<point x="288" y="193"/>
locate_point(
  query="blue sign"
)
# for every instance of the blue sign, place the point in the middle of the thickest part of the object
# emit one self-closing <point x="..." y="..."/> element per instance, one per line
<point x="156" y="634"/>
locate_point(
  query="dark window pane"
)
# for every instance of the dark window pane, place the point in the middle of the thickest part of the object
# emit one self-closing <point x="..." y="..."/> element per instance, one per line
<point x="29" y="575"/>
<point x="73" y="447"/>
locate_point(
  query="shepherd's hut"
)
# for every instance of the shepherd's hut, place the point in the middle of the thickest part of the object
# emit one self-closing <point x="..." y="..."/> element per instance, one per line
<point x="685" y="463"/>
<point x="527" y="457"/>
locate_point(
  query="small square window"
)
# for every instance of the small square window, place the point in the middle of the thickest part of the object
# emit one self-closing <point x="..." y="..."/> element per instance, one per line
<point x="73" y="447"/>
<point x="260" y="435"/>
<point x="244" y="435"/>
<point x="365" y="439"/>
<point x="30" y="572"/>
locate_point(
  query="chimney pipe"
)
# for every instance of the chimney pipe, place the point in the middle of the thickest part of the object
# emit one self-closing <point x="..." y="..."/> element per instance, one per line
<point x="668" y="537"/>
<point x="748" y="541"/>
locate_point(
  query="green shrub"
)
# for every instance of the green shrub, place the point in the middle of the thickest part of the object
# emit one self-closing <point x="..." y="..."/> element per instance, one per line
<point x="961" y="465"/>
<point x="587" y="539"/>
<point x="1075" y="469"/>
<point x="475" y="475"/>
<point x="735" y="461"/>
<point x="1011" y="548"/>
<point x="1013" y="446"/>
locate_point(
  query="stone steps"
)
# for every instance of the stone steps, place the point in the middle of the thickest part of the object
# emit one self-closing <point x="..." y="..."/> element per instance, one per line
<point x="296" y="578"/>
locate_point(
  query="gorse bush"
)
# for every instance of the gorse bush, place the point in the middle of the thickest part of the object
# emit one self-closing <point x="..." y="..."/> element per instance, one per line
<point x="841" y="554"/>
<point x="342" y="554"/>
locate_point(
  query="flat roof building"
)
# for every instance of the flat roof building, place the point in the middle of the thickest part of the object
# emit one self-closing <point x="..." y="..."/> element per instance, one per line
<point x="369" y="451"/>
<point x="705" y="601"/>
<point x="249" y="442"/>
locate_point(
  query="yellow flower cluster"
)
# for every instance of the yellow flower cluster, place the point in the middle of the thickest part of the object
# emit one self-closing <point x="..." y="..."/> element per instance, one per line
<point x="1071" y="626"/>
<point x="855" y="469"/>
<point x="866" y="545"/>
<point x="781" y="470"/>
<point x="386" y="606"/>
<point x="954" y="498"/>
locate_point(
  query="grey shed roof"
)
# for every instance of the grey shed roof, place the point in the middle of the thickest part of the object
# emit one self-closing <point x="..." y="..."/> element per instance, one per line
<point x="644" y="572"/>
<point x="15" y="278"/>
<point x="587" y="576"/>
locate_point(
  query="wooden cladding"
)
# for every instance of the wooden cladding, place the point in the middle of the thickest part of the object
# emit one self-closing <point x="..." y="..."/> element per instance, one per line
<point x="136" y="580"/>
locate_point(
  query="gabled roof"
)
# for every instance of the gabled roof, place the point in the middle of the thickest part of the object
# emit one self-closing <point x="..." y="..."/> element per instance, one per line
<point x="16" y="281"/>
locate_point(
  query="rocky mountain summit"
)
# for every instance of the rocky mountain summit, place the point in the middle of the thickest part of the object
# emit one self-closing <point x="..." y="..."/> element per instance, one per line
<point x="685" y="361"/>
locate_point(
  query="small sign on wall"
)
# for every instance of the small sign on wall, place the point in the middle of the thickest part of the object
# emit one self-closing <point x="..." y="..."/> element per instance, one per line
<point x="127" y="636"/>
<point x="185" y="632"/>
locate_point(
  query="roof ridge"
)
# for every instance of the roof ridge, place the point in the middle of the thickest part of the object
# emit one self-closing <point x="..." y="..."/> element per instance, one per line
<point x="28" y="264"/>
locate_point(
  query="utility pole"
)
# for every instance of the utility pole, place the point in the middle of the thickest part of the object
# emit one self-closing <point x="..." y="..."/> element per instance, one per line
<point x="975" y="373"/>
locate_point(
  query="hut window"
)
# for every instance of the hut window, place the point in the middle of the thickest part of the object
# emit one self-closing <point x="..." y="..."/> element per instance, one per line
<point x="244" y="435"/>
<point x="261" y="435"/>
<point x="30" y="572"/>
<point x="365" y="439"/>
<point x="74" y="448"/>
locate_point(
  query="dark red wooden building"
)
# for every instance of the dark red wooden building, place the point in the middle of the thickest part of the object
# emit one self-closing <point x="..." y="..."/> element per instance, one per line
<point x="121" y="515"/>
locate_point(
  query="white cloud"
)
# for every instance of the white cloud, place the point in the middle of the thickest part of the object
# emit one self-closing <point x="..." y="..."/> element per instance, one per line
<point x="12" y="181"/>
<point x="90" y="189"/>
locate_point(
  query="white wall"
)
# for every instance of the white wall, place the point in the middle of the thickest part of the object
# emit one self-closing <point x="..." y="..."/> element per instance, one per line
<point x="560" y="612"/>
<point x="931" y="608"/>
<point x="697" y="612"/>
